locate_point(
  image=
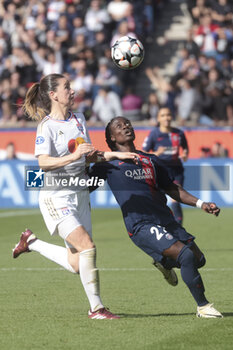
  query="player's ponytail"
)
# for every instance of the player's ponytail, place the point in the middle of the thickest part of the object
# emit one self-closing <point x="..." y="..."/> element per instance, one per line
<point x="37" y="103"/>
<point x="32" y="104"/>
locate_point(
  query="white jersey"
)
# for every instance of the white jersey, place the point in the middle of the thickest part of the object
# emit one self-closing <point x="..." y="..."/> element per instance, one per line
<point x="58" y="138"/>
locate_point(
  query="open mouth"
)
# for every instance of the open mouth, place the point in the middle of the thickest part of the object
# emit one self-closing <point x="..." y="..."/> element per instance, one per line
<point x="129" y="132"/>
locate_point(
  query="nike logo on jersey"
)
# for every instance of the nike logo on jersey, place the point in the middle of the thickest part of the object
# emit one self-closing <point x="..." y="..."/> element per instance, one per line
<point x="120" y="163"/>
<point x="60" y="133"/>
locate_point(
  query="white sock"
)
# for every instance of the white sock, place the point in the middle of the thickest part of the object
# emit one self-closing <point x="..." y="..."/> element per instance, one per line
<point x="90" y="277"/>
<point x="52" y="252"/>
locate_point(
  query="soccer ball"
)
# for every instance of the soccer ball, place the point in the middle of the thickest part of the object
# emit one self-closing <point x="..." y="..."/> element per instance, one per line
<point x="127" y="53"/>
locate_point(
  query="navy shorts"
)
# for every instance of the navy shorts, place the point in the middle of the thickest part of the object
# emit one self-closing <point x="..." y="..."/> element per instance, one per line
<point x="154" y="239"/>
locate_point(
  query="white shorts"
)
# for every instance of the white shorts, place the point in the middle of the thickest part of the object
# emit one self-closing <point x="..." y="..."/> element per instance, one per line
<point x="62" y="214"/>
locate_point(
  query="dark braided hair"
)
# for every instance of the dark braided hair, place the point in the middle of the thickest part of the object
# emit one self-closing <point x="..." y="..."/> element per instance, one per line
<point x="110" y="143"/>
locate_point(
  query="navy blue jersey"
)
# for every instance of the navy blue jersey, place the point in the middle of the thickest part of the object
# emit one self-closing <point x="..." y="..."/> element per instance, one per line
<point x="172" y="141"/>
<point x="138" y="189"/>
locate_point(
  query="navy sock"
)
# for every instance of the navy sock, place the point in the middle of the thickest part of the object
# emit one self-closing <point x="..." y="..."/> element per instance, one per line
<point x="191" y="276"/>
<point x="177" y="212"/>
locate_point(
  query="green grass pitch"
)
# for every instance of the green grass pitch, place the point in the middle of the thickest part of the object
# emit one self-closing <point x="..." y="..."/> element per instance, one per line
<point x="44" y="307"/>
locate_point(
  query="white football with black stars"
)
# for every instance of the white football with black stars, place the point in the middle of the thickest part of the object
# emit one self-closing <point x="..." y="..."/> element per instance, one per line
<point x="127" y="52"/>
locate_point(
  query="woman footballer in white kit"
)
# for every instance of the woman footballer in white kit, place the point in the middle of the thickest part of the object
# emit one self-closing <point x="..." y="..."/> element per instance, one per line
<point x="62" y="144"/>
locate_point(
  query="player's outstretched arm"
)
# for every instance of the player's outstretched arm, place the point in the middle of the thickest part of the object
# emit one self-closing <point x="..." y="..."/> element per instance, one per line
<point x="178" y="193"/>
<point x="99" y="156"/>
<point x="48" y="163"/>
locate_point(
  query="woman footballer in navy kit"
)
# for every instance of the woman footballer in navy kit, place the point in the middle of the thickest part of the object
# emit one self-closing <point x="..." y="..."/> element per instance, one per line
<point x="165" y="142"/>
<point x="139" y="189"/>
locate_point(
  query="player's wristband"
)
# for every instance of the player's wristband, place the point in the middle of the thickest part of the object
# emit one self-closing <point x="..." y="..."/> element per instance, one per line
<point x="199" y="203"/>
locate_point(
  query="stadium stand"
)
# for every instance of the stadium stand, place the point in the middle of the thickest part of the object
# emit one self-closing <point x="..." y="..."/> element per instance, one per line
<point x="188" y="64"/>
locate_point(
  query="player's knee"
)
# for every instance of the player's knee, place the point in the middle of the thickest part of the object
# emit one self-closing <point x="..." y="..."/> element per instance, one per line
<point x="201" y="262"/>
<point x="186" y="257"/>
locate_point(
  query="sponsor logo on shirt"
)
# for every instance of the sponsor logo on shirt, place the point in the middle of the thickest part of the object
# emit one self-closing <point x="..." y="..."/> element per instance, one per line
<point x="73" y="144"/>
<point x="139" y="174"/>
<point x="39" y="140"/>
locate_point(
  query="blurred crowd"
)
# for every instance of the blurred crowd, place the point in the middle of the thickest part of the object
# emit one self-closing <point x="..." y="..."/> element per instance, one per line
<point x="200" y="92"/>
<point x="72" y="37"/>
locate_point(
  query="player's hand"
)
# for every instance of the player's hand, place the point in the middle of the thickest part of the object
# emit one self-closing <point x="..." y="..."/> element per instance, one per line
<point x="160" y="150"/>
<point x="82" y="150"/>
<point x="211" y="208"/>
<point x="184" y="157"/>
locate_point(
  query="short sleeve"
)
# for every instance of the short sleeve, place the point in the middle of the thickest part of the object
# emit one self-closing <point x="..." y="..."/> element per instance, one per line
<point x="98" y="170"/>
<point x="149" y="142"/>
<point x="183" y="141"/>
<point x="43" y="141"/>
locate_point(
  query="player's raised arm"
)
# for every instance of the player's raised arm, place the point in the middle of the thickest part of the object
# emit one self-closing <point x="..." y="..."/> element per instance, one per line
<point x="178" y="193"/>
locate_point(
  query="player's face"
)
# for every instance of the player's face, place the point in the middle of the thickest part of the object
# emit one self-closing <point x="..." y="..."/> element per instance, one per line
<point x="64" y="94"/>
<point x="122" y="131"/>
<point x="164" y="117"/>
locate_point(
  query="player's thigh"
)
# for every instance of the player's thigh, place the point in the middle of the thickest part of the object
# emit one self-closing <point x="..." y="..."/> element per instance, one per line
<point x="154" y="240"/>
<point x="64" y="213"/>
<point x="180" y="233"/>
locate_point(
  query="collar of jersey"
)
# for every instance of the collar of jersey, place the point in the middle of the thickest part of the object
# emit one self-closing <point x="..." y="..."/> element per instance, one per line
<point x="63" y="121"/>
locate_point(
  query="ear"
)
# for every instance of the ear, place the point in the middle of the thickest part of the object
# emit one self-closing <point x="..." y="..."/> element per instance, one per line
<point x="113" y="138"/>
<point x="53" y="95"/>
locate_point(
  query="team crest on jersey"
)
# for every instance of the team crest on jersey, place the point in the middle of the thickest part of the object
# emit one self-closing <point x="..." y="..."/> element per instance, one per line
<point x="175" y="137"/>
<point x="145" y="160"/>
<point x="169" y="236"/>
<point x="65" y="211"/>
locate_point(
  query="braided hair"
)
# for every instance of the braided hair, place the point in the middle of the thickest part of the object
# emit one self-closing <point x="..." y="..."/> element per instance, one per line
<point x="110" y="143"/>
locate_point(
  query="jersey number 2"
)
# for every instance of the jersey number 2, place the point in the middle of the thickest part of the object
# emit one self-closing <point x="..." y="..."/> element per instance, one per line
<point x="157" y="230"/>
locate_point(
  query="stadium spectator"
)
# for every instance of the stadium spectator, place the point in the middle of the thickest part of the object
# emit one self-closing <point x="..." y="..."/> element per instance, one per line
<point x="163" y="87"/>
<point x="119" y="9"/>
<point x="107" y="104"/>
<point x="52" y="62"/>
<point x="49" y="102"/>
<point x="150" y="108"/>
<point x="166" y="142"/>
<point x="105" y="77"/>
<point x="218" y="151"/>
<point x="140" y="192"/>
<point x="122" y="30"/>
<point x="96" y="17"/>
<point x="10" y="151"/>
<point x="205" y="37"/>
<point x="83" y="80"/>
<point x="186" y="102"/>
<point x="222" y="12"/>
<point x="131" y="105"/>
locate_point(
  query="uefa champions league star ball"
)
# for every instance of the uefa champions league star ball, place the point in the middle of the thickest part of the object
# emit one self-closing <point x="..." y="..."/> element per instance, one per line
<point x="127" y="53"/>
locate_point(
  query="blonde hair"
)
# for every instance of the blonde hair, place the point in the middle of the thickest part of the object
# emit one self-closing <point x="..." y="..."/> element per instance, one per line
<point x="37" y="102"/>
